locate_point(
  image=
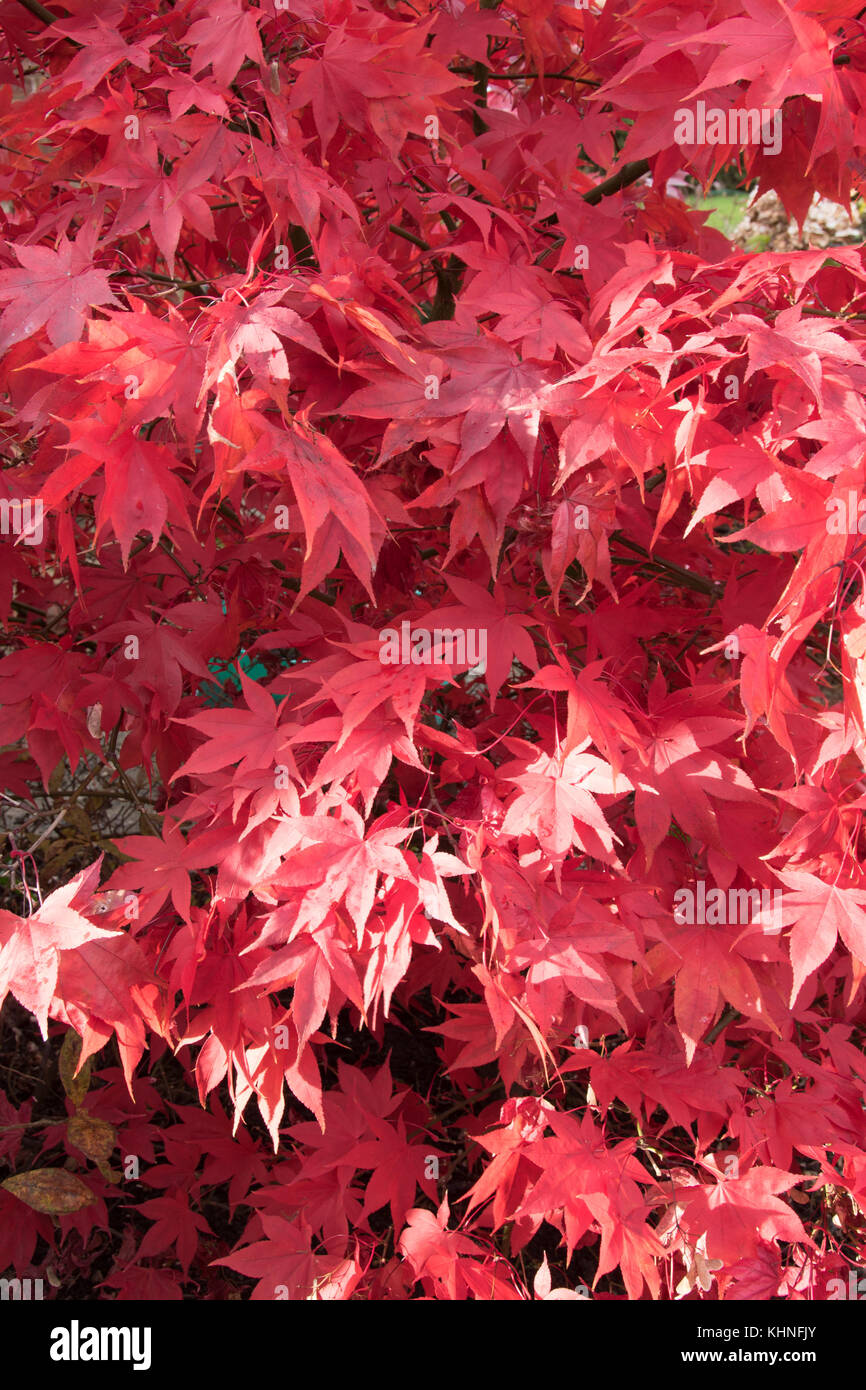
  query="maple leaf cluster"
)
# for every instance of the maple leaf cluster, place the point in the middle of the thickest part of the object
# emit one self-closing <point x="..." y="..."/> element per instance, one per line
<point x="326" y="320"/>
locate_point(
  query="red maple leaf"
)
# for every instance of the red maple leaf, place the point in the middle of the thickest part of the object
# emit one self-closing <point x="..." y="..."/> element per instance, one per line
<point x="53" y="290"/>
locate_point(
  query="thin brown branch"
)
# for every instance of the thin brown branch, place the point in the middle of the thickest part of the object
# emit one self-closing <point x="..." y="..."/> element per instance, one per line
<point x="408" y="236"/>
<point x="525" y="76"/>
<point x="153" y="275"/>
<point x="730" y="1015"/>
<point x="39" y="11"/>
<point x="683" y="576"/>
<point x="629" y="173"/>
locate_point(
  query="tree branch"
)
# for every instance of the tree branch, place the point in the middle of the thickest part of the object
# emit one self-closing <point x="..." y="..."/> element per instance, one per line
<point x="198" y="285"/>
<point x="729" y="1016"/>
<point x="522" y="76"/>
<point x="39" y="11"/>
<point x="629" y="173"/>
<point x="684" y="576"/>
<point x="408" y="236"/>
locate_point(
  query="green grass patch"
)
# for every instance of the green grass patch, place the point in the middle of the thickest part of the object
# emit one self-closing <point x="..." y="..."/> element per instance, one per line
<point x="727" y="207"/>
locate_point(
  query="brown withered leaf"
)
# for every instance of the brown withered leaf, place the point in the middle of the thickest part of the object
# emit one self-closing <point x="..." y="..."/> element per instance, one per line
<point x="95" y="1138"/>
<point x="76" y="1087"/>
<point x="52" y="1190"/>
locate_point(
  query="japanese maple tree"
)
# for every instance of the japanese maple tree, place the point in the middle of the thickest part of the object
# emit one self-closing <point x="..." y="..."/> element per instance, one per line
<point x="433" y="690"/>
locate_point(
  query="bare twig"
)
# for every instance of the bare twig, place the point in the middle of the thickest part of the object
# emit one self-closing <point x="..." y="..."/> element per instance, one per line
<point x="730" y="1015"/>
<point x="522" y="76"/>
<point x="629" y="173"/>
<point x="39" y="11"/>
<point x="685" y="577"/>
<point x="409" y="236"/>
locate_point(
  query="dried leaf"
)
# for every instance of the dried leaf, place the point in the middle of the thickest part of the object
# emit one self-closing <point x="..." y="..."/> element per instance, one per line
<point x="51" y="1190"/>
<point x="95" y="1138"/>
<point x="76" y="1087"/>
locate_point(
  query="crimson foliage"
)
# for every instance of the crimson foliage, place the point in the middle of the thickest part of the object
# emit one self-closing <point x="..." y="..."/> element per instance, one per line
<point x="534" y="959"/>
